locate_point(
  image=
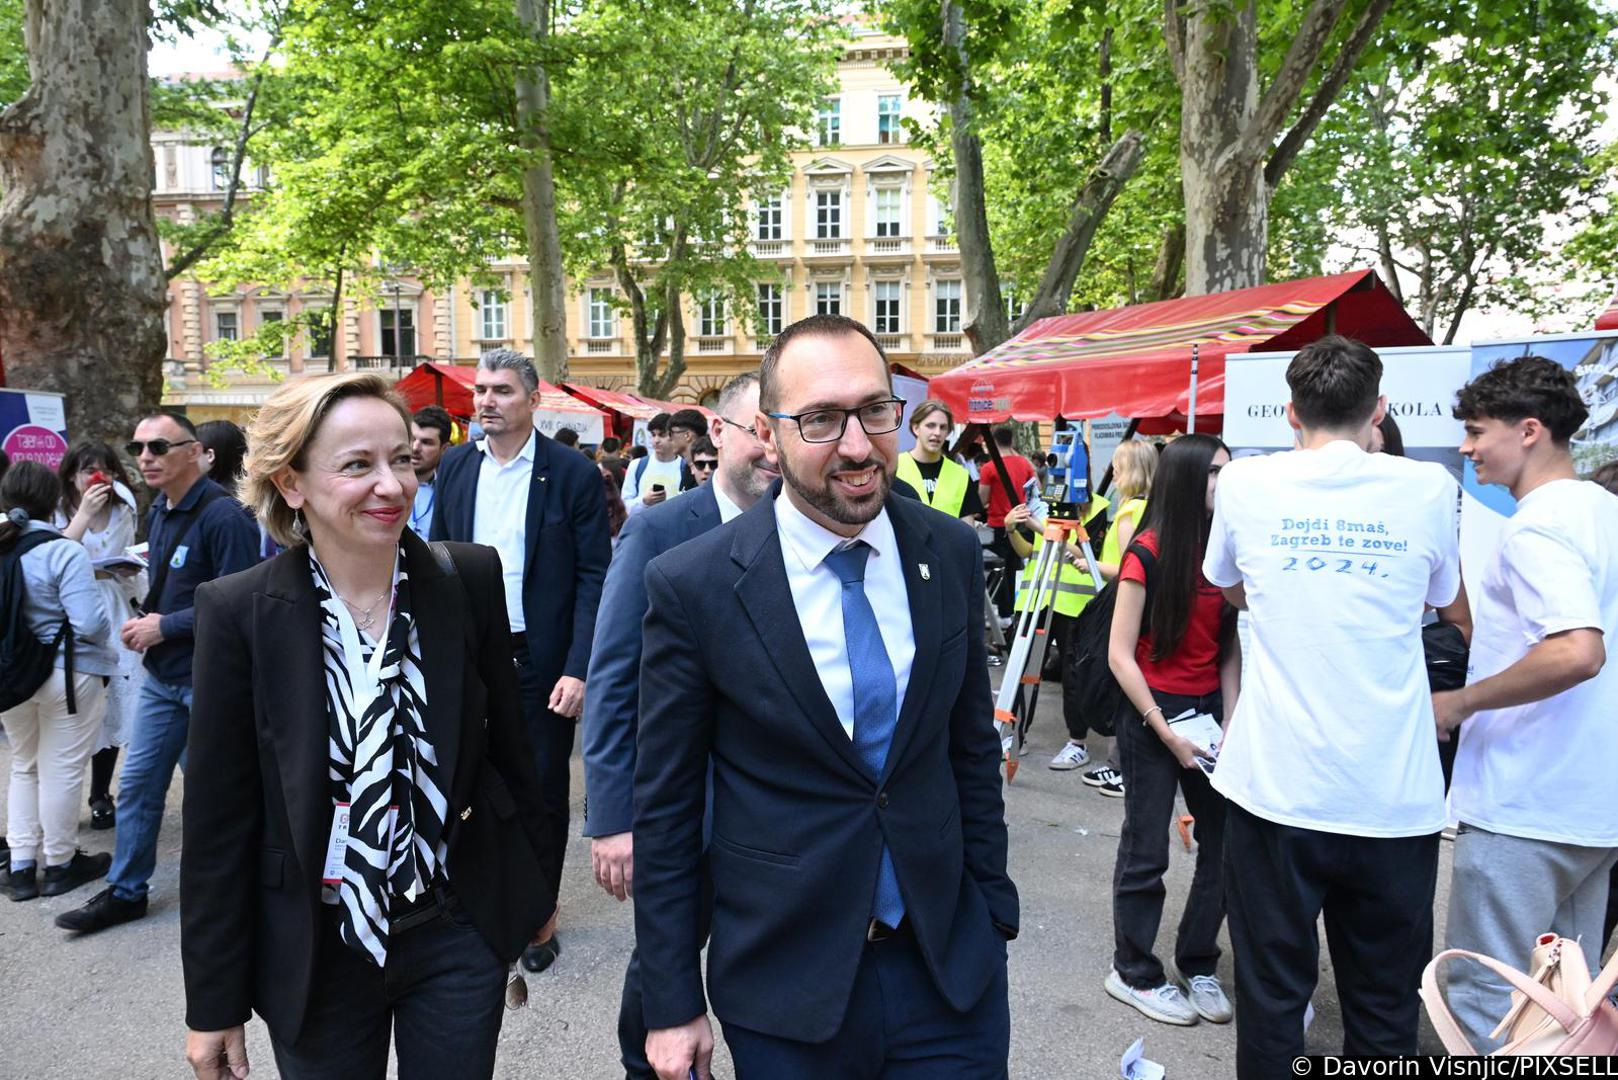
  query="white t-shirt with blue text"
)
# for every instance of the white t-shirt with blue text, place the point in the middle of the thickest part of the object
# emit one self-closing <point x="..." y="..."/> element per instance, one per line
<point x="1340" y="552"/>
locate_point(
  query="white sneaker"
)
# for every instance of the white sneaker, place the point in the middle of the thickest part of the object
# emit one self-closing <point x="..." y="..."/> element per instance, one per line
<point x="1207" y="996"/>
<point x="1165" y="1004"/>
<point x="1072" y="756"/>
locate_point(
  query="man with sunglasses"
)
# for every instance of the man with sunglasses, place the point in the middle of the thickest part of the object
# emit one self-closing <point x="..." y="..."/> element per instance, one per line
<point x="704" y="460"/>
<point x="195" y="532"/>
<point x="821" y="658"/>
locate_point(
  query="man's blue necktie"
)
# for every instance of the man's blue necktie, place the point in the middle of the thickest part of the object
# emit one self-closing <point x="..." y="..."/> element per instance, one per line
<point x="876" y="706"/>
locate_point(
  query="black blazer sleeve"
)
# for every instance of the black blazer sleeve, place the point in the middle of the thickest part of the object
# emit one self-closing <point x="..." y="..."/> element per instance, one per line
<point x="587" y="509"/>
<point x="975" y="758"/>
<point x="508" y="750"/>
<point x="222" y="823"/>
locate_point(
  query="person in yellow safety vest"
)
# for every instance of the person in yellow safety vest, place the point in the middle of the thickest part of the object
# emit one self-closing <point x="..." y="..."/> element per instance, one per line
<point x="942" y="484"/>
<point x="1134" y="464"/>
<point x="1074" y="589"/>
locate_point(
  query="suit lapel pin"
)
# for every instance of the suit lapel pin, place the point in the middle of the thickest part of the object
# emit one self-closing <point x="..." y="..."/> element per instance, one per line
<point x="926" y="574"/>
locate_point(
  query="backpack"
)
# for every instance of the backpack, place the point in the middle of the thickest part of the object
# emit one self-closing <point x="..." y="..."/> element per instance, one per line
<point x="25" y="661"/>
<point x="1094" y="687"/>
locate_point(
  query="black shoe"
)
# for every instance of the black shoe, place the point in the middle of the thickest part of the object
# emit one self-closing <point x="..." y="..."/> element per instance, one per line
<point x="104" y="909"/>
<point x="22" y="885"/>
<point x="102" y="814"/>
<point x="78" y="870"/>
<point x="537" y="958"/>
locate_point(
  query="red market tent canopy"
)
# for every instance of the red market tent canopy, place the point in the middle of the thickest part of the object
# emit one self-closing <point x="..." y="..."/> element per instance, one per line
<point x="1608" y="320"/>
<point x="451" y="386"/>
<point x="617" y="401"/>
<point x="1136" y="361"/>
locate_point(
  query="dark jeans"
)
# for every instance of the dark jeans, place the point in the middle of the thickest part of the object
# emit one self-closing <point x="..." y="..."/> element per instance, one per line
<point x="442" y="993"/>
<point x="1151" y="776"/>
<point x="1006" y="596"/>
<point x="1062" y="628"/>
<point x="552" y="738"/>
<point x="1377" y="896"/>
<point x="897" y="1027"/>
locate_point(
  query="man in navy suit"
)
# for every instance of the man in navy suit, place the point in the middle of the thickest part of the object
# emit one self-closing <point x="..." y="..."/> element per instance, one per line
<point x="612" y="692"/>
<point x="824" y="652"/>
<point x="543" y="508"/>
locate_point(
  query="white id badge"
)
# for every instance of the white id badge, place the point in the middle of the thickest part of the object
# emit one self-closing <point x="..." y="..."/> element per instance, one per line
<point x="336" y="845"/>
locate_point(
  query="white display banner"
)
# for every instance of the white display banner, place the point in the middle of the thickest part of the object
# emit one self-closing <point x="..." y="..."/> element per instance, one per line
<point x="588" y="425"/>
<point x="1106" y="433"/>
<point x="1419" y="382"/>
<point x="914" y="392"/>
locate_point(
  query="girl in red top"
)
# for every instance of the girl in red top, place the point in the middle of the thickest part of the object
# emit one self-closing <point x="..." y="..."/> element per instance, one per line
<point x="1173" y="648"/>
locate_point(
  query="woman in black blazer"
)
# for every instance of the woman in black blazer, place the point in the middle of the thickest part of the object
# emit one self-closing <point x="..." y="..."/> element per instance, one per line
<point x="365" y="845"/>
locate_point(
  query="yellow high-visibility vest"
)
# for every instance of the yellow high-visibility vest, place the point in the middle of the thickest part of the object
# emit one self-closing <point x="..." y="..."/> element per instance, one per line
<point x="949" y="493"/>
<point x="1074" y="588"/>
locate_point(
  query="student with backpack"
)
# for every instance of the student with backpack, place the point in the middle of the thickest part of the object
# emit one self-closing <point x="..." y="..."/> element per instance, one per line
<point x="1174" y="653"/>
<point x="55" y="659"/>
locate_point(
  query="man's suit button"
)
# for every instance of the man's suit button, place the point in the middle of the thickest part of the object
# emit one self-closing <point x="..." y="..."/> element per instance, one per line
<point x="882" y="801"/>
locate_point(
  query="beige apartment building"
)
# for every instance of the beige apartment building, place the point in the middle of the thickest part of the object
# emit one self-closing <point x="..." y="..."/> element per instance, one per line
<point x="859" y="231"/>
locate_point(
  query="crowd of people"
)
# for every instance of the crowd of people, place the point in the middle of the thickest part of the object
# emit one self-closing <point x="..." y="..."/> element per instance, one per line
<point x="373" y="648"/>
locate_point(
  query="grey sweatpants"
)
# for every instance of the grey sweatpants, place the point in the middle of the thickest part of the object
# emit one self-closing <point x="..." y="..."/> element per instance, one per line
<point x="1504" y="893"/>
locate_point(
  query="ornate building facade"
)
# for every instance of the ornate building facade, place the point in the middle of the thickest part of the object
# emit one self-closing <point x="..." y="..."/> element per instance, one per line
<point x="860" y="231"/>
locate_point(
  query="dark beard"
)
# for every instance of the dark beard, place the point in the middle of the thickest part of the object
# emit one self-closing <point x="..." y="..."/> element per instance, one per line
<point x="838" y="510"/>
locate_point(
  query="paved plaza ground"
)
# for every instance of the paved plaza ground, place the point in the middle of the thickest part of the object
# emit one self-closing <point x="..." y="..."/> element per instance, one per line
<point x="112" y="1005"/>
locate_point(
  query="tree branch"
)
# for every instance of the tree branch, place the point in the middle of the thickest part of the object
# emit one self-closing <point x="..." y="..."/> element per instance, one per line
<point x="1174" y="39"/>
<point x="1287" y="86"/>
<point x="1089" y="209"/>
<point x="1330" y="86"/>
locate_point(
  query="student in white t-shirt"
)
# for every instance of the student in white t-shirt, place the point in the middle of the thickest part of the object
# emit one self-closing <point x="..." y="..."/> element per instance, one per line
<point x="1329" y="761"/>
<point x="660" y="474"/>
<point x="1537" y="768"/>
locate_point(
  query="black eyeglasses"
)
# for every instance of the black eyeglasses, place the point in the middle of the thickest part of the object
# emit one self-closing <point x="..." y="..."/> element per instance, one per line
<point x="828" y="425"/>
<point x="158" y="447"/>
<point x="705" y="463"/>
<point x="739" y="427"/>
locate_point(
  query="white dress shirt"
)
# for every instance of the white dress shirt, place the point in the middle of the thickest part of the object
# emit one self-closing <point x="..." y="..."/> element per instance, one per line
<point x="817" y="594"/>
<point x="728" y="511"/>
<point x="500" y="518"/>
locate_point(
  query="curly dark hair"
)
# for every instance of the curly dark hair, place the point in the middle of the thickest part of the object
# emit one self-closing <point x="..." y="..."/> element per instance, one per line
<point x="1527" y="386"/>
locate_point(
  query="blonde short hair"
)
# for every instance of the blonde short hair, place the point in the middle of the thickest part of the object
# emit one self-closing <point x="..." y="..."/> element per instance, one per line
<point x="1134" y="464"/>
<point x="279" y="438"/>
<point x="926" y="409"/>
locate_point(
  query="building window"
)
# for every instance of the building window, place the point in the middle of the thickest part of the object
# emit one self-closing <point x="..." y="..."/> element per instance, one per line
<point x="273" y="317"/>
<point x="828" y="215"/>
<point x="828" y="298"/>
<point x="1015" y="305"/>
<point x="320" y="333"/>
<point x="711" y="316"/>
<point x="947" y="307"/>
<point x="219" y="164"/>
<point x="829" y="123"/>
<point x="491" y="316"/>
<point x="225" y="326"/>
<point x="887" y="307"/>
<point x="603" y="320"/>
<point x="398" y="331"/>
<point x="887" y="118"/>
<point x="769" y="310"/>
<point x="887" y="211"/>
<point x="769" y="219"/>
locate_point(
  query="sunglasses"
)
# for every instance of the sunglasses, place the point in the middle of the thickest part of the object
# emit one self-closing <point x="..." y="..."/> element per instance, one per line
<point x="705" y="463"/>
<point x="158" y="447"/>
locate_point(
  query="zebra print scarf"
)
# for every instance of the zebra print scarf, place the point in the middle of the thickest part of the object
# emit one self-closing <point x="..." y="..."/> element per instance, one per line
<point x="383" y="765"/>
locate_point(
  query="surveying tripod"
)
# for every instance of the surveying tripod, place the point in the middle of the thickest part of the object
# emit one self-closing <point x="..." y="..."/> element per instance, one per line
<point x="1019" y="681"/>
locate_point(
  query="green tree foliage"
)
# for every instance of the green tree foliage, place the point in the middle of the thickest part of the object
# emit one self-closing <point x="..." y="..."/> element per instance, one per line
<point x="694" y="110"/>
<point x="13" y="53"/>
<point x="1466" y="145"/>
<point x="1594" y="247"/>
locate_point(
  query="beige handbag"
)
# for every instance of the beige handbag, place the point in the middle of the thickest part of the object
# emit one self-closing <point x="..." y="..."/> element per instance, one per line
<point x="1556" y="1010"/>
